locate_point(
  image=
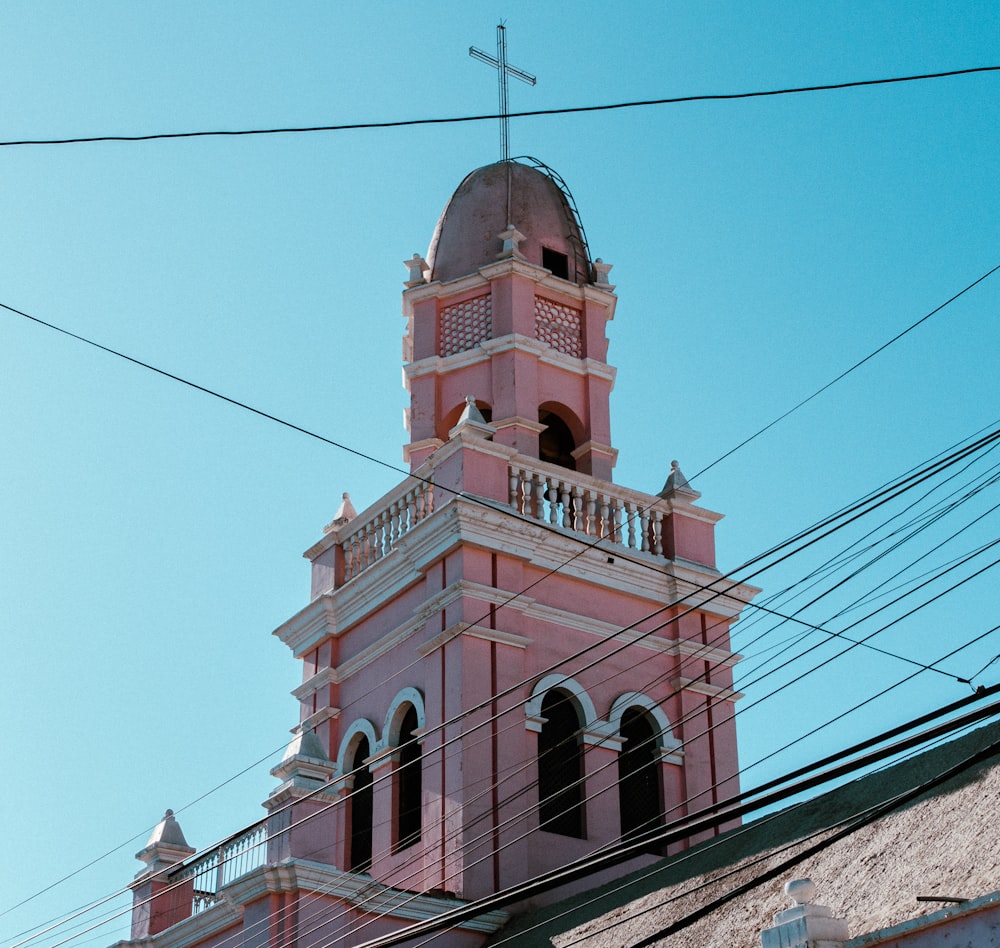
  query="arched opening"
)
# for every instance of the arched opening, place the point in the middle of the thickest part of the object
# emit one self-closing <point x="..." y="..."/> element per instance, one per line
<point x="360" y="856"/>
<point x="556" y="443"/>
<point x="409" y="782"/>
<point x="639" y="791"/>
<point x="560" y="767"/>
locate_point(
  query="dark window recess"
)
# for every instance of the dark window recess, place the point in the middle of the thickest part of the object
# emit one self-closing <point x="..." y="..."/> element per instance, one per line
<point x="560" y="768"/>
<point x="557" y="262"/>
<point x="410" y="785"/>
<point x="639" y="796"/>
<point x="361" y="810"/>
<point x="555" y="443"/>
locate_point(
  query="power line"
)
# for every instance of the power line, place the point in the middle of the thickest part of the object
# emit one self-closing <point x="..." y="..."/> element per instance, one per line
<point x="404" y="123"/>
<point x="846" y="372"/>
<point x="873" y="501"/>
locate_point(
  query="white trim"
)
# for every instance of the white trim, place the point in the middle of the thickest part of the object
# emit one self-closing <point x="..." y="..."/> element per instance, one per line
<point x="359" y="726"/>
<point x="669" y="745"/>
<point x="394" y="717"/>
<point x="533" y="707"/>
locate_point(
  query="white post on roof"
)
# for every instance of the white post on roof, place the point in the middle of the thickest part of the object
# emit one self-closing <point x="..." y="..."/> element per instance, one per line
<point x="804" y="925"/>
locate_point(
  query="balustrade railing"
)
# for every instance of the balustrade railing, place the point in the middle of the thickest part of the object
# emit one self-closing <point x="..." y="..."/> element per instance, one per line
<point x="366" y="541"/>
<point x="234" y="858"/>
<point x="594" y="508"/>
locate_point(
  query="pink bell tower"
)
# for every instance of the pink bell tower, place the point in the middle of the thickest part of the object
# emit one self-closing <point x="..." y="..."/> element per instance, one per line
<point x="509" y="661"/>
<point x="447" y="617"/>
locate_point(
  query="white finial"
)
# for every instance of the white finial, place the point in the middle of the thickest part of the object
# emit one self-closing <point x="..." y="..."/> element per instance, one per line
<point x="345" y="514"/>
<point x="601" y="271"/>
<point x="801" y="891"/>
<point x="417" y="266"/>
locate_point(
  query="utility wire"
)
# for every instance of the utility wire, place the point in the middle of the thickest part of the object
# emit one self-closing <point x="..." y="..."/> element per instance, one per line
<point x="402" y="123"/>
<point x="588" y="865"/>
<point x="846" y="372"/>
<point x="878" y="498"/>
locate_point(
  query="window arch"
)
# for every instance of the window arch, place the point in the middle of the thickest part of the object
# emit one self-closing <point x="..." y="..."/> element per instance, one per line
<point x="560" y="765"/>
<point x="356" y="748"/>
<point x="640" y="794"/>
<point x="360" y="809"/>
<point x="408" y="788"/>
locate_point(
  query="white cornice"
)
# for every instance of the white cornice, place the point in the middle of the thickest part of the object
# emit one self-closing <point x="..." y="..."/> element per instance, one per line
<point x="311" y="685"/>
<point x="488" y="348"/>
<point x="316" y="879"/>
<point x="311" y="624"/>
<point x="701" y="688"/>
<point x="462" y="520"/>
<point x="368" y="655"/>
<point x="473" y="631"/>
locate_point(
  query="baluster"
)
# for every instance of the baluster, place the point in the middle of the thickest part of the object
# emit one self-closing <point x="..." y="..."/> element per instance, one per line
<point x="578" y="522"/>
<point x="553" y="496"/>
<point x="370" y="553"/>
<point x="644" y="529"/>
<point x="657" y="529"/>
<point x="539" y="497"/>
<point x="392" y="531"/>
<point x="515" y="483"/>
<point x="564" y="500"/>
<point x="351" y="566"/>
<point x="411" y="508"/>
<point x="220" y="870"/>
<point x="604" y="525"/>
<point x="590" y="528"/>
<point x="630" y="521"/>
<point x="617" y="515"/>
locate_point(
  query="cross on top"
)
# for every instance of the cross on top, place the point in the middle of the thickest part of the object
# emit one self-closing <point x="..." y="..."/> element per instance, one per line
<point x="503" y="70"/>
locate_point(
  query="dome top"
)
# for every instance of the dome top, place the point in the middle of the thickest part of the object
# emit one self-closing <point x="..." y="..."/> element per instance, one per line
<point x="467" y="235"/>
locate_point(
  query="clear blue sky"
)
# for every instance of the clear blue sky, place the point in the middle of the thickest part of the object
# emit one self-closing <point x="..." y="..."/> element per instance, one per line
<point x="151" y="536"/>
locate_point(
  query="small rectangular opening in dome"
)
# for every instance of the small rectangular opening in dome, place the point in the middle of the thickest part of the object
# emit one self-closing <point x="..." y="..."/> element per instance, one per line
<point x="557" y="262"/>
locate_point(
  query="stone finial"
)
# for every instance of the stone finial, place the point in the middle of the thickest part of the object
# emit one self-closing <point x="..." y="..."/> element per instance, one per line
<point x="804" y="925"/>
<point x="417" y="267"/>
<point x="472" y="422"/>
<point x="345" y="514"/>
<point x="510" y="238"/>
<point x="676" y="481"/>
<point x="601" y="271"/>
<point x="166" y="845"/>
<point x="305" y="765"/>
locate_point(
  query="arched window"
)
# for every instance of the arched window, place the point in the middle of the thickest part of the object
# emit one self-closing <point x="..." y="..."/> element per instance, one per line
<point x="409" y="782"/>
<point x="639" y="792"/>
<point x="556" y="443"/>
<point x="560" y="767"/>
<point x="360" y="856"/>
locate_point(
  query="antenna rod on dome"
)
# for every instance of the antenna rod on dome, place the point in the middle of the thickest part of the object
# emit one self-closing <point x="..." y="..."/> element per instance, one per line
<point x="503" y="70"/>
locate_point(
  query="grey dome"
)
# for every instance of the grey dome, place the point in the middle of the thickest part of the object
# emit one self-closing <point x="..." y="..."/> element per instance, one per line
<point x="467" y="233"/>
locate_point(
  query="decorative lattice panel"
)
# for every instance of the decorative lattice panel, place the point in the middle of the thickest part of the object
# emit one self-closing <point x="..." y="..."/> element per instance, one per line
<point x="559" y="326"/>
<point x="465" y="325"/>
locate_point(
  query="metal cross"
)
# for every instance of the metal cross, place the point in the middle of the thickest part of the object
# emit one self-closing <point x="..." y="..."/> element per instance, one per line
<point x="503" y="70"/>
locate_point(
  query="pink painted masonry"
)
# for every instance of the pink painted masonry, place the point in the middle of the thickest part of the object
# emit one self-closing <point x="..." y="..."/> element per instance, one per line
<point x="509" y="662"/>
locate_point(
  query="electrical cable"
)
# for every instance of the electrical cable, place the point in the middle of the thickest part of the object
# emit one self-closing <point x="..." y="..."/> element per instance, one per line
<point x="921" y="473"/>
<point x="267" y="415"/>
<point x="583" y="867"/>
<point x="402" y="123"/>
<point x="846" y="372"/>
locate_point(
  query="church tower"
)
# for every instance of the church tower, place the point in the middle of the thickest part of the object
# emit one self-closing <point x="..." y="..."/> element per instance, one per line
<point x="485" y="624"/>
<point x="509" y="661"/>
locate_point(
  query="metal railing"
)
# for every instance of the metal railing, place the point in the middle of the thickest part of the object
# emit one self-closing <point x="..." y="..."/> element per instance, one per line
<point x="237" y="856"/>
